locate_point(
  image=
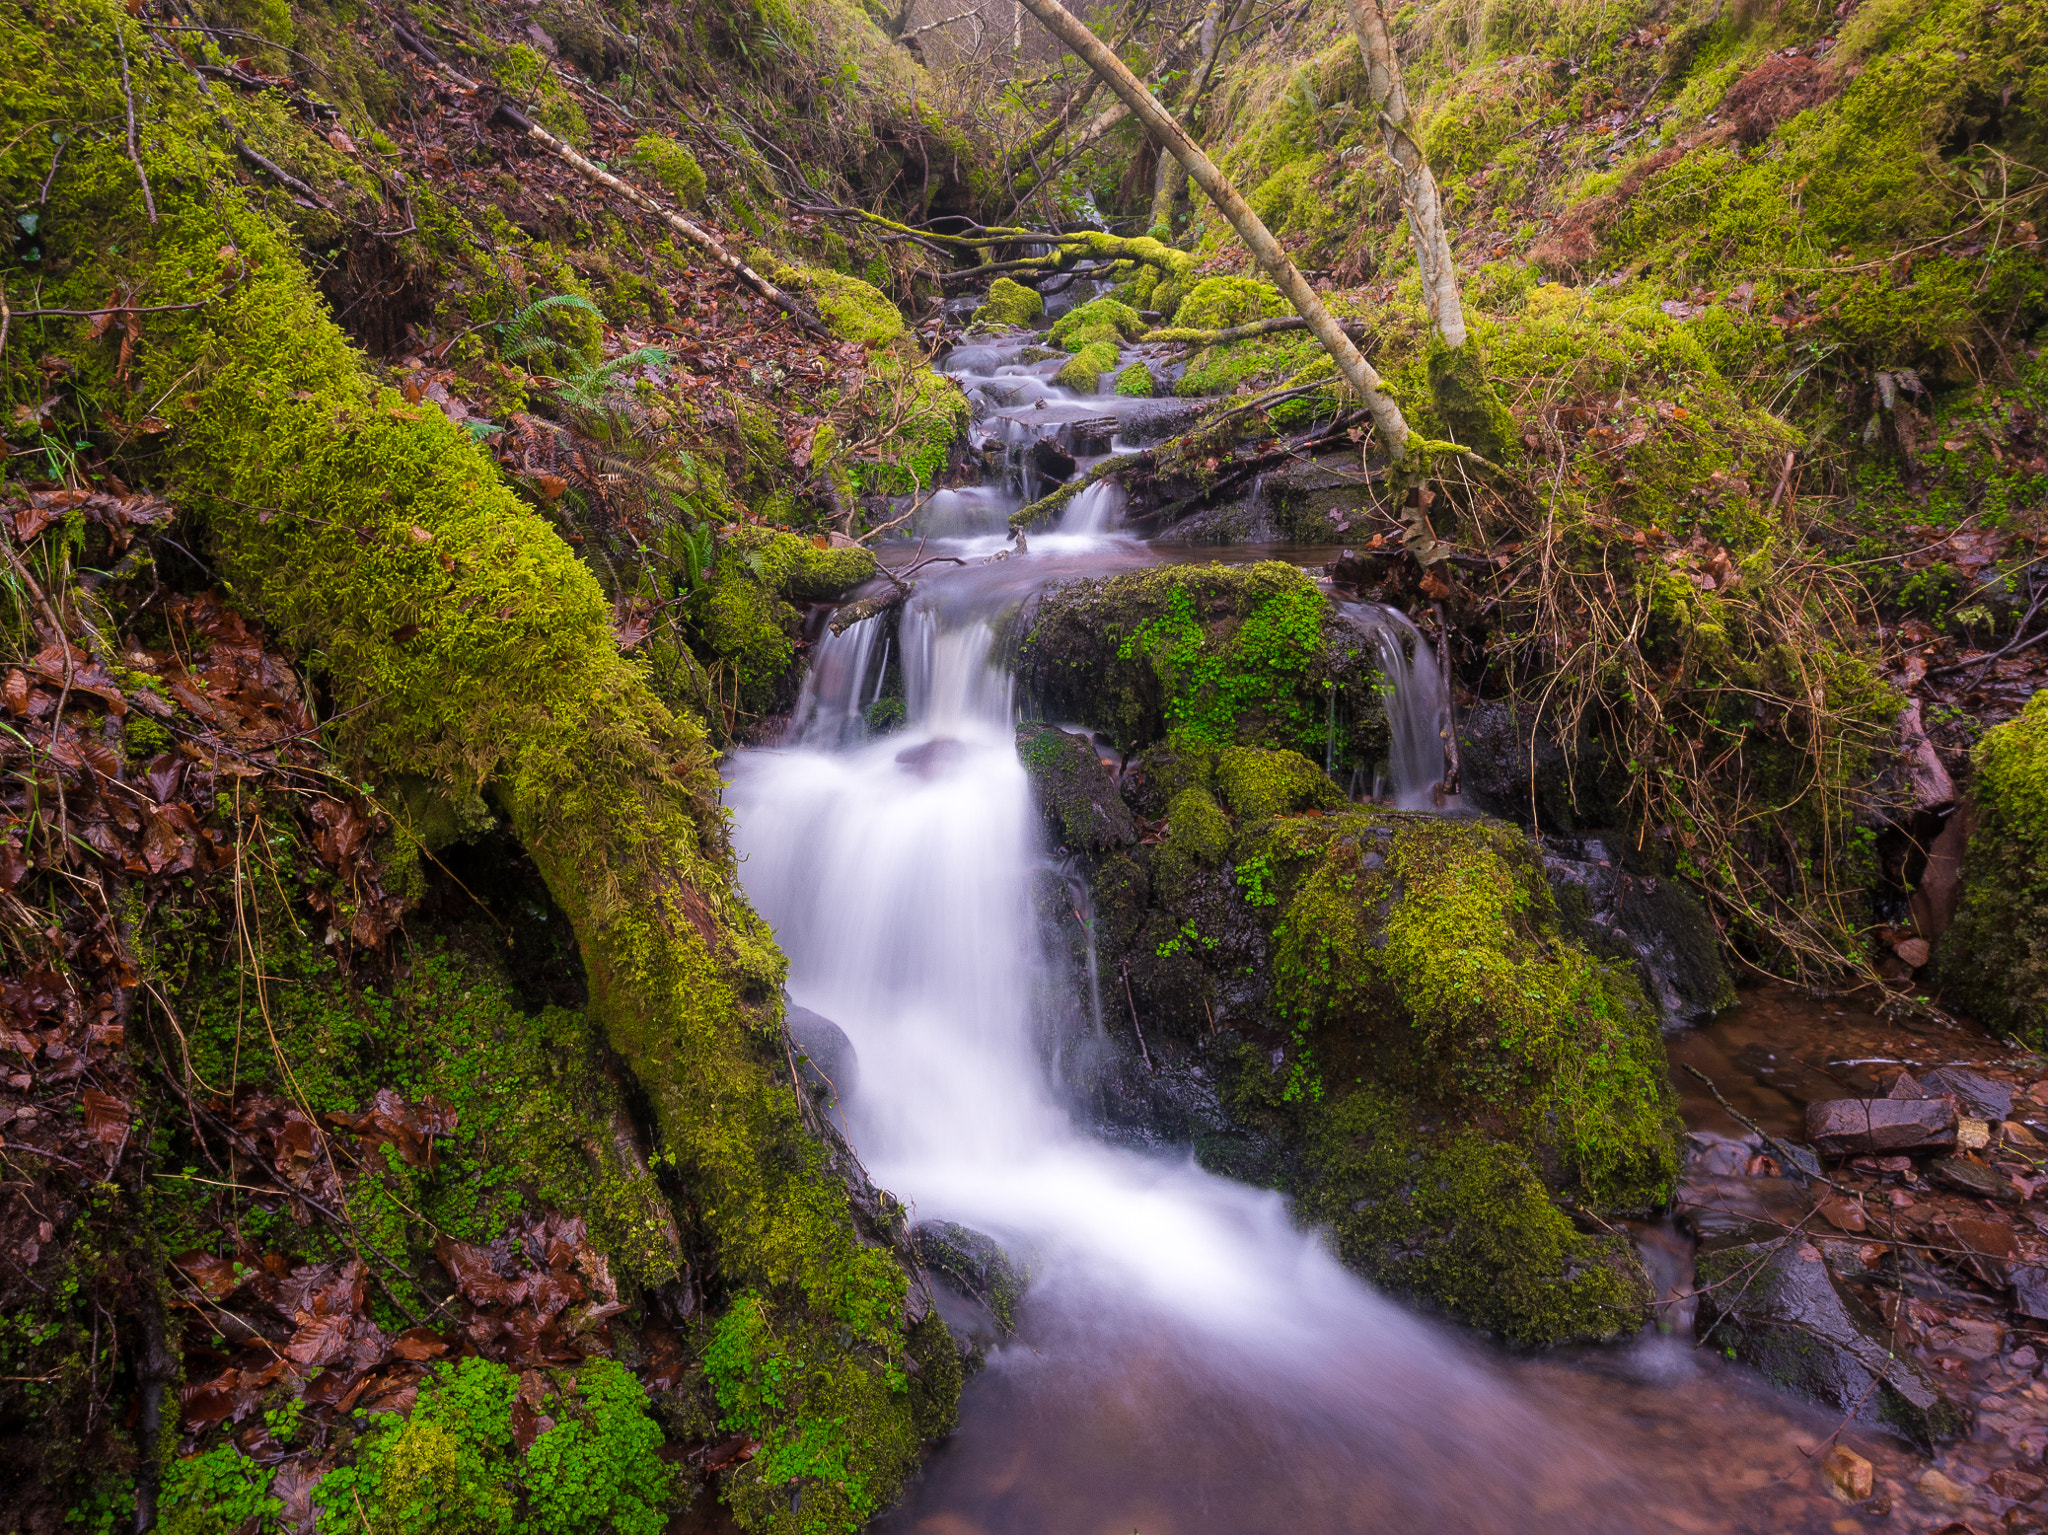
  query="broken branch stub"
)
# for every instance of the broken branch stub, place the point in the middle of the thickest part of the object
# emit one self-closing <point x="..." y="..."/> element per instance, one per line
<point x="1351" y="364"/>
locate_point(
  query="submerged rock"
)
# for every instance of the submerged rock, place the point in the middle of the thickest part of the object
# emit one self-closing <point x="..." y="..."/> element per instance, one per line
<point x="1778" y="1307"/>
<point x="974" y="1263"/>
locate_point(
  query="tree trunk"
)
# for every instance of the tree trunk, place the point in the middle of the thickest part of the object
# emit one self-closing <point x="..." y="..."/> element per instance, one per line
<point x="1418" y="184"/>
<point x="1355" y="370"/>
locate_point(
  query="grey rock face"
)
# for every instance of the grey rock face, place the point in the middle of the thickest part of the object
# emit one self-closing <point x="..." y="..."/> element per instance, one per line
<point x="1841" y="1127"/>
<point x="1626" y="915"/>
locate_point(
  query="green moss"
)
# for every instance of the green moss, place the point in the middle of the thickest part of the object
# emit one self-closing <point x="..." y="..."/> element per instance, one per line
<point x="1993" y="961"/>
<point x="673" y="166"/>
<point x="1010" y="305"/>
<point x="461" y="641"/>
<point x="527" y="78"/>
<point x="853" y="309"/>
<point x="1083" y="371"/>
<point x="1466" y="403"/>
<point x="1257" y="784"/>
<point x="1105" y="319"/>
<point x="1443" y="1213"/>
<point x="1137" y="382"/>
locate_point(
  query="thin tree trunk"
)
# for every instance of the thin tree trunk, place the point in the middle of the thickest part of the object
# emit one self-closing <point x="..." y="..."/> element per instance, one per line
<point x="1356" y="371"/>
<point x="1418" y="183"/>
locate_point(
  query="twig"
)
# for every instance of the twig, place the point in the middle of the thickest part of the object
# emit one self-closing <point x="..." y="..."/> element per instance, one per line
<point x="134" y="156"/>
<point x="1142" y="1051"/>
<point x="1783" y="1148"/>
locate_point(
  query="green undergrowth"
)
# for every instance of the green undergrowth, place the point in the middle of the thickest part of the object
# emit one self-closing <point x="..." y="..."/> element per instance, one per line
<point x="460" y="642"/>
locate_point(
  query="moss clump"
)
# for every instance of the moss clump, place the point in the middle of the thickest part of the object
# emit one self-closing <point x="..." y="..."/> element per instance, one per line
<point x="749" y="620"/>
<point x="1258" y="784"/>
<point x="1137" y="382"/>
<point x="1442" y="1212"/>
<point x="1075" y="793"/>
<point x="855" y="310"/>
<point x="1216" y="303"/>
<point x="673" y="166"/>
<point x="1010" y="305"/>
<point x="1098" y="320"/>
<point x="1083" y="371"/>
<point x="1216" y="655"/>
<point x="526" y="77"/>
<point x="1994" y="958"/>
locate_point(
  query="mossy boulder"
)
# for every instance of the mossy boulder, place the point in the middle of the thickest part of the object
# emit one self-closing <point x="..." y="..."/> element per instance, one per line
<point x="1137" y="382"/>
<point x="749" y="619"/>
<point x="1460" y="1075"/>
<point x="1216" y="303"/>
<point x="1010" y="305"/>
<point x="1102" y="319"/>
<point x="1258" y="784"/>
<point x="1993" y="961"/>
<point x="855" y="310"/>
<point x="1083" y="371"/>
<point x="1216" y="655"/>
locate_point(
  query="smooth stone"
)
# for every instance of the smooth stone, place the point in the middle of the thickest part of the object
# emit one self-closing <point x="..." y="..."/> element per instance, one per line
<point x="1851" y="1126"/>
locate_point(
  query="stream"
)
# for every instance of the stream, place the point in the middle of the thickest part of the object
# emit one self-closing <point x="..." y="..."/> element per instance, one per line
<point x="1186" y="1359"/>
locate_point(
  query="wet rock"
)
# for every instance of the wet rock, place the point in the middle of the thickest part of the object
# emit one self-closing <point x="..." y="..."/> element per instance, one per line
<point x="1924" y="783"/>
<point x="1967" y="1177"/>
<point x="974" y="1263"/>
<point x="1076" y="793"/>
<point x="1651" y="922"/>
<point x="1777" y="1307"/>
<point x="1523" y="773"/>
<point x="825" y="1056"/>
<point x="1848" y="1475"/>
<point x="1051" y="460"/>
<point x="1856" y="1126"/>
<point x="1933" y="901"/>
<point x="1943" y="1489"/>
<point x="1983" y="1097"/>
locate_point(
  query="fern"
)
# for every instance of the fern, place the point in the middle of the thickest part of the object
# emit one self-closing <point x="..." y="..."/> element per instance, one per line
<point x="521" y="336"/>
<point x="588" y="387"/>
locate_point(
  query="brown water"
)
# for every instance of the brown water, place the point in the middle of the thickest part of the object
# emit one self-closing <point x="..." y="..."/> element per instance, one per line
<point x="1114" y="1429"/>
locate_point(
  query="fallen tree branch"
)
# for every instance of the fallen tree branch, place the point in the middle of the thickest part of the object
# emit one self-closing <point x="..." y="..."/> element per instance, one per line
<point x="702" y="238"/>
<point x="134" y="155"/>
<point x="1357" y="330"/>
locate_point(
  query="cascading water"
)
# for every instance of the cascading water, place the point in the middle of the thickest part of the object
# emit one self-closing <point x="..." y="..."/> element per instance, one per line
<point x="897" y="875"/>
<point x="1418" y="704"/>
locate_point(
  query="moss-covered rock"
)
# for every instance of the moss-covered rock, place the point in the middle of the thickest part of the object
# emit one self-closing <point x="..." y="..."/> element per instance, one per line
<point x="855" y="310"/>
<point x="1083" y="371"/>
<point x="749" y="620"/>
<point x="1993" y="961"/>
<point x="1101" y="319"/>
<point x="1258" y="784"/>
<point x="1010" y="305"/>
<point x="1137" y="382"/>
<point x="1218" y="655"/>
<point x="1076" y="794"/>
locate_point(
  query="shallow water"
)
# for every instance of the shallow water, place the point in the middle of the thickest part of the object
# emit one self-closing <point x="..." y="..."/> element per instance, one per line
<point x="1187" y="1360"/>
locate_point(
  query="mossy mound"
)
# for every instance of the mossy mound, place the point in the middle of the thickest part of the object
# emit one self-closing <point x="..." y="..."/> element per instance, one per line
<point x="673" y="166"/>
<point x="1216" y="303"/>
<point x="1993" y="962"/>
<point x="1218" y="655"/>
<point x="1258" y="784"/>
<point x="1137" y="382"/>
<point x="749" y="620"/>
<point x="1010" y="305"/>
<point x="855" y="310"/>
<point x="1102" y="319"/>
<point x="1083" y="371"/>
<point x="1459" y="1072"/>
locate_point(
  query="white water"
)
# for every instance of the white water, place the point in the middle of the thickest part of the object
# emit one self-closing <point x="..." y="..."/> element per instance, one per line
<point x="1418" y="703"/>
<point x="897" y="876"/>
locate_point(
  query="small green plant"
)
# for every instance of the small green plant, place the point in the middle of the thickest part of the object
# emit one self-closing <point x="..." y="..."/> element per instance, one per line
<point x="1253" y="880"/>
<point x="1186" y="938"/>
<point x="220" y="1490"/>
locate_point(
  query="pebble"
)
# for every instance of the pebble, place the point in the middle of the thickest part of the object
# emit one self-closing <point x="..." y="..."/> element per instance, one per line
<point x="1847" y="1475"/>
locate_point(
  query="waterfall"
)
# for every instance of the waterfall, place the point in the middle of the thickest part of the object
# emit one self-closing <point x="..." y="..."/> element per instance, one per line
<point x="896" y="874"/>
<point x="1418" y="704"/>
<point x="829" y="710"/>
